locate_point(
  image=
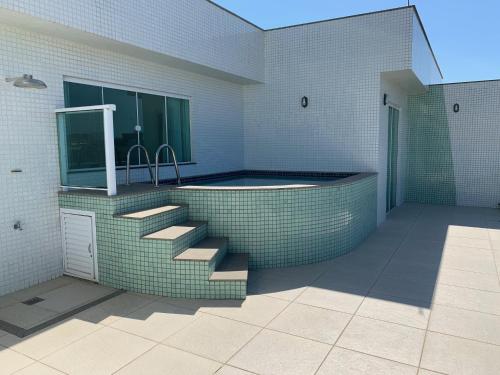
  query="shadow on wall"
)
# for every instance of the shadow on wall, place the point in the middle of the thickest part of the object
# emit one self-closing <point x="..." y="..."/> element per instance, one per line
<point x="431" y="177"/>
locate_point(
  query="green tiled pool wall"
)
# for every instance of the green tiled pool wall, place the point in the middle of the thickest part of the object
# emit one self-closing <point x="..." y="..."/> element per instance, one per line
<point x="278" y="228"/>
<point x="430" y="172"/>
<point x="287" y="227"/>
<point x="145" y="266"/>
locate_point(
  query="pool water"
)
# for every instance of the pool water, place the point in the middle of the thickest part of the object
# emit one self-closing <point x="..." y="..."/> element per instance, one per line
<point x="267" y="181"/>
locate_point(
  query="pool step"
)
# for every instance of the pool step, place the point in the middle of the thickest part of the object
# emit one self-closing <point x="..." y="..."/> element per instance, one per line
<point x="193" y="264"/>
<point x="204" y="251"/>
<point x="234" y="267"/>
<point x="176" y="232"/>
<point x="155" y="219"/>
<point x="180" y="237"/>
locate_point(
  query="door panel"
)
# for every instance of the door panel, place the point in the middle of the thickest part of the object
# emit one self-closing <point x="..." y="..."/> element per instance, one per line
<point x="392" y="159"/>
<point x="78" y="245"/>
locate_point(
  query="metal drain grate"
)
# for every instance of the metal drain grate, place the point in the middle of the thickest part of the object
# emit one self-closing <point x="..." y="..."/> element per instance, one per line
<point x="33" y="301"/>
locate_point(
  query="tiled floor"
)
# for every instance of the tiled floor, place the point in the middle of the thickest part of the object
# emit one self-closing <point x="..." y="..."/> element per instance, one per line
<point x="56" y="298"/>
<point x="420" y="296"/>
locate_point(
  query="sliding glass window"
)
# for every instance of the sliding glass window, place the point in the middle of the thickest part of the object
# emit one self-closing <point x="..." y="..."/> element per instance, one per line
<point x="140" y="118"/>
<point x="179" y="136"/>
<point x="124" y="123"/>
<point x="152" y="121"/>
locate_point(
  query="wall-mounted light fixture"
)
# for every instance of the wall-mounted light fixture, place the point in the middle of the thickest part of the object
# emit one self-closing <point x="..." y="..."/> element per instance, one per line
<point x="456" y="107"/>
<point x="385" y="99"/>
<point x="304" y="102"/>
<point x="26" y="81"/>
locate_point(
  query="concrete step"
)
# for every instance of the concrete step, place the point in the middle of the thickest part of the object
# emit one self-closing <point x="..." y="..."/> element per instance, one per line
<point x="144" y="214"/>
<point x="177" y="238"/>
<point x="204" y="251"/>
<point x="234" y="267"/>
<point x="176" y="232"/>
<point x="154" y="219"/>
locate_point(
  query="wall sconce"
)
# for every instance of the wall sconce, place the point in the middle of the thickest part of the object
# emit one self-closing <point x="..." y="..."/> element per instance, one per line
<point x="456" y="107"/>
<point x="385" y="99"/>
<point x="304" y="102"/>
<point x="26" y="81"/>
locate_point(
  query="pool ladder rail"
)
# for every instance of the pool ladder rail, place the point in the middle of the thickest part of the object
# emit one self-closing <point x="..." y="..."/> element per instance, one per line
<point x="140" y="147"/>
<point x="157" y="164"/>
<point x="154" y="180"/>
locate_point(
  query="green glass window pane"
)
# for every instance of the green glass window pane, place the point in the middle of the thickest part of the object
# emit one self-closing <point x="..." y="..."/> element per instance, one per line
<point x="178" y="126"/>
<point x="124" y="123"/>
<point x="80" y="95"/>
<point x="81" y="149"/>
<point x="152" y="121"/>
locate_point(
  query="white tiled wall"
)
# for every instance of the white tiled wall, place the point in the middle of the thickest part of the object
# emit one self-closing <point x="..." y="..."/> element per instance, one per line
<point x="192" y="30"/>
<point x="475" y="141"/>
<point x="28" y="138"/>
<point x="423" y="63"/>
<point x="337" y="65"/>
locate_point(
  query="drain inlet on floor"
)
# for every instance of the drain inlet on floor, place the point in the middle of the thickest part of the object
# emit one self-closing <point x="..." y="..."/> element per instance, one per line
<point x="33" y="301"/>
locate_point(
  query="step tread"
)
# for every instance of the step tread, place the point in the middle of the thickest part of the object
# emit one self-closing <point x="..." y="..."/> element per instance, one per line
<point x="143" y="214"/>
<point x="234" y="267"/>
<point x="175" y="231"/>
<point x="203" y="251"/>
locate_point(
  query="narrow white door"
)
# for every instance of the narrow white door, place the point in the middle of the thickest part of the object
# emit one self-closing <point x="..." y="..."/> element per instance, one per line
<point x="78" y="245"/>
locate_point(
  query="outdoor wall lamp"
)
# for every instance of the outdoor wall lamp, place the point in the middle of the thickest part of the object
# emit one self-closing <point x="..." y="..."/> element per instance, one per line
<point x="26" y="81"/>
<point x="304" y="102"/>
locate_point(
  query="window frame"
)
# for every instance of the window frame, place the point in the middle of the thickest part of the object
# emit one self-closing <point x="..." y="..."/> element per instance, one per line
<point x="137" y="91"/>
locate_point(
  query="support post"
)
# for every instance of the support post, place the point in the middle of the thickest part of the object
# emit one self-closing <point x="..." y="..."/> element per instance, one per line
<point x="109" y="143"/>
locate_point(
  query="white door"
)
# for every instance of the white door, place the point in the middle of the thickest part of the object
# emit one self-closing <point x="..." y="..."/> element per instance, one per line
<point x="78" y="236"/>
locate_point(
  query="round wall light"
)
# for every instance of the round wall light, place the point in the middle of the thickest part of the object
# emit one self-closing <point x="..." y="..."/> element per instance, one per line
<point x="456" y="107"/>
<point x="304" y="102"/>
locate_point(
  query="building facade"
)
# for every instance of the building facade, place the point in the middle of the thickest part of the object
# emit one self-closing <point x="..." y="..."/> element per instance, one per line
<point x="244" y="86"/>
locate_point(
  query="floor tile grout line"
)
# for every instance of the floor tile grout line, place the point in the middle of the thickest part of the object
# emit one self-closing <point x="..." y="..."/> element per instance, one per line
<point x="375" y="356"/>
<point x="429" y="319"/>
<point x="437" y="372"/>
<point x="357" y="309"/>
<point x="470" y="288"/>
<point x="52" y="352"/>
<point x="417" y="218"/>
<point x="494" y="258"/>
<point x="465" y="309"/>
<point x="40" y="363"/>
<point x="321" y="273"/>
<point x="69" y="344"/>
<point x="136" y="358"/>
<point x="101" y="326"/>
<point x="220" y="317"/>
<point x="463" y="338"/>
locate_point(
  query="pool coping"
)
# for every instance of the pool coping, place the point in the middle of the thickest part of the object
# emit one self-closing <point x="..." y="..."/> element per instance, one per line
<point x="166" y="185"/>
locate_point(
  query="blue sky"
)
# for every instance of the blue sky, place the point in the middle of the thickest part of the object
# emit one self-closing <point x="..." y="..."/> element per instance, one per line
<point x="464" y="34"/>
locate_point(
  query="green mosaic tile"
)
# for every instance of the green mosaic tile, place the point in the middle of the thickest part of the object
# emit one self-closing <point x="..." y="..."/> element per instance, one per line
<point x="277" y="228"/>
<point x="430" y="172"/>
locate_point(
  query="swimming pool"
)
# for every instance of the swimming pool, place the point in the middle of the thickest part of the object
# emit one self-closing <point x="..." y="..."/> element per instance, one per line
<point x="280" y="218"/>
<point x="266" y="181"/>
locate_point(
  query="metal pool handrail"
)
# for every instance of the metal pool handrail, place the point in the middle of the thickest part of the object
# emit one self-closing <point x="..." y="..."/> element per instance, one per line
<point x="157" y="164"/>
<point x="141" y="147"/>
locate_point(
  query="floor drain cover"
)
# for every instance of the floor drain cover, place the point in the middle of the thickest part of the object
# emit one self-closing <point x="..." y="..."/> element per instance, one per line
<point x="33" y="301"/>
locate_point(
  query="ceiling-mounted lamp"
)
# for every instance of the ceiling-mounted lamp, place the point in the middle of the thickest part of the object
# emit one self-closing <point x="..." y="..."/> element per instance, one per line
<point x="26" y="81"/>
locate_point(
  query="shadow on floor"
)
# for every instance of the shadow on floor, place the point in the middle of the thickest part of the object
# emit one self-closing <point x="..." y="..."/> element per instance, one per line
<point x="403" y="262"/>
